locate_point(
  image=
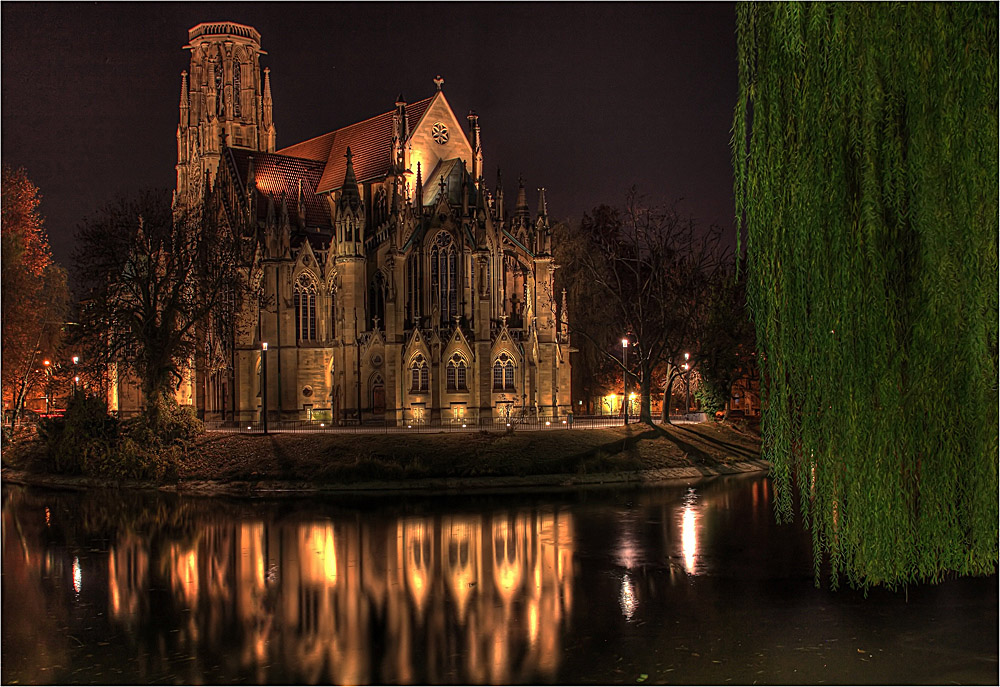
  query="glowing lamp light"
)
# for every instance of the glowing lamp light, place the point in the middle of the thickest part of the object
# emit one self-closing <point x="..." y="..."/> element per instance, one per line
<point x="547" y="423"/>
<point x="463" y="426"/>
<point x="322" y="425"/>
<point x="564" y="422"/>
<point x="409" y="426"/>
<point x="248" y="426"/>
<point x="76" y="379"/>
<point x="46" y="363"/>
<point x="263" y="345"/>
<point x="76" y="359"/>
<point x="624" y="343"/>
<point x="631" y="397"/>
<point x="508" y="424"/>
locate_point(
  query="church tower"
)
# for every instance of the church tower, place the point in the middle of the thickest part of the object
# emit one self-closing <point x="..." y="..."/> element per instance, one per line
<point x="224" y="101"/>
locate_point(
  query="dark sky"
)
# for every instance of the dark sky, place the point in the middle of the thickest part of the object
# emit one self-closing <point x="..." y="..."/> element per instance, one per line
<point x="585" y="99"/>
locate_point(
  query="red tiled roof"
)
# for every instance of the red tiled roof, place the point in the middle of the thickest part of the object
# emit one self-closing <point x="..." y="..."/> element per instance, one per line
<point x="370" y="142"/>
<point x="280" y="174"/>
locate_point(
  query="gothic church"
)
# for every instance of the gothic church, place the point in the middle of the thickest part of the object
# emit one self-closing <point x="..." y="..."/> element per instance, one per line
<point x="397" y="286"/>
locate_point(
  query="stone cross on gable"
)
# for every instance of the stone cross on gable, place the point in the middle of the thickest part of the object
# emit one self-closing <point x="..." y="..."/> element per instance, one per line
<point x="503" y="318"/>
<point x="376" y="318"/>
<point x="438" y="81"/>
<point x="443" y="185"/>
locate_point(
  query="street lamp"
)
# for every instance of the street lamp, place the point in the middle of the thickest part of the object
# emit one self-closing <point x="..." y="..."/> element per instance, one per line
<point x="76" y="377"/>
<point x="263" y="384"/>
<point x="687" y="384"/>
<point x="625" y="377"/>
<point x="48" y="383"/>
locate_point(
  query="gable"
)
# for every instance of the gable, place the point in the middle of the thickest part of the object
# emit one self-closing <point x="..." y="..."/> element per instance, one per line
<point x="425" y="149"/>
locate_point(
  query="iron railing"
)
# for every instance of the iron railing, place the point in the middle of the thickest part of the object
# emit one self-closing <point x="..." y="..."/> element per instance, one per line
<point x="415" y="426"/>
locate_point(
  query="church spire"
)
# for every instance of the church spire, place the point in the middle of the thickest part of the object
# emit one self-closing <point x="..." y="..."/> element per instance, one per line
<point x="420" y="188"/>
<point x="349" y="190"/>
<point x="499" y="201"/>
<point x="185" y="98"/>
<point x="542" y="208"/>
<point x="521" y="210"/>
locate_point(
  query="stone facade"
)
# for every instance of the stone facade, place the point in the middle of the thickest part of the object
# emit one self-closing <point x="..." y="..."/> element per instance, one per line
<point x="395" y="284"/>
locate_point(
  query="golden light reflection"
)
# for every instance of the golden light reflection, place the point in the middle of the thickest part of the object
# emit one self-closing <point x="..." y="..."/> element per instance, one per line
<point x="626" y="598"/>
<point x="77" y="575"/>
<point x="689" y="532"/>
<point x="494" y="589"/>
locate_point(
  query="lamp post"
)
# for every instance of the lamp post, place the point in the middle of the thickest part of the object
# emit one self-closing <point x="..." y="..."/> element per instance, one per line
<point x="263" y="384"/>
<point x="76" y="377"/>
<point x="48" y="383"/>
<point x="625" y="377"/>
<point x="687" y="384"/>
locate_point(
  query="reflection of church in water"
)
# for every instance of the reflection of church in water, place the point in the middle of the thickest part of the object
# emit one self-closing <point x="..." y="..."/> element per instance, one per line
<point x="395" y="281"/>
<point x="458" y="598"/>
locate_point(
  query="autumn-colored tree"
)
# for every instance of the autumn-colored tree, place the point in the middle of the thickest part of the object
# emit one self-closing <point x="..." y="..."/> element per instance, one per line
<point x="33" y="291"/>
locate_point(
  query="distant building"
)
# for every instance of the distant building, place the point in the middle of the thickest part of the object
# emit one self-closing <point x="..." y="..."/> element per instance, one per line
<point x="397" y="286"/>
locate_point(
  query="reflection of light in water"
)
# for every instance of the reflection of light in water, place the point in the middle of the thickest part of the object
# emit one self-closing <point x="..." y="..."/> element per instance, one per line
<point x="627" y="598"/>
<point x="48" y="517"/>
<point x="626" y="555"/>
<point x="77" y="575"/>
<point x="689" y="536"/>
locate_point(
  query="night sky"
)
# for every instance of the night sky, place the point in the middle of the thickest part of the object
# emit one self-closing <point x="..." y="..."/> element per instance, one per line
<point x="584" y="99"/>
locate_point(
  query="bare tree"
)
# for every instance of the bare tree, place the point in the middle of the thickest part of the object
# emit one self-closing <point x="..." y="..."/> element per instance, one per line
<point x="157" y="280"/>
<point x="652" y="267"/>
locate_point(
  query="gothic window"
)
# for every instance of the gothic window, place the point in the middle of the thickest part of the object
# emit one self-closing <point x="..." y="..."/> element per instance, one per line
<point x="237" y="94"/>
<point x="305" y="308"/>
<point x="503" y="373"/>
<point x="333" y="314"/>
<point x="220" y="95"/>
<point x="456" y="374"/>
<point x="376" y="300"/>
<point x="413" y="279"/>
<point x="444" y="284"/>
<point x="419" y="374"/>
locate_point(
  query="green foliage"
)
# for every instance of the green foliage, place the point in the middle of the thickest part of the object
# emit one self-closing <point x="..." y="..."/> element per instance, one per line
<point x="710" y="399"/>
<point x="865" y="147"/>
<point x="88" y="441"/>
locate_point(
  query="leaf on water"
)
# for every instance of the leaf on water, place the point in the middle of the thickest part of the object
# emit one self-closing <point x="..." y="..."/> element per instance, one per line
<point x="642" y="677"/>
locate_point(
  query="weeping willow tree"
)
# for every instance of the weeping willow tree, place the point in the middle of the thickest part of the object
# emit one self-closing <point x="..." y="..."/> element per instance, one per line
<point x="865" y="151"/>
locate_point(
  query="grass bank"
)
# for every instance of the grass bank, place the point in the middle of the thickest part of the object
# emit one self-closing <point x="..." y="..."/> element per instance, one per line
<point x="345" y="459"/>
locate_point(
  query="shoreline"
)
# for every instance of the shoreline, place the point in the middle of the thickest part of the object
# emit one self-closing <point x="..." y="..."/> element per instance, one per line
<point x="429" y="486"/>
<point x="279" y="465"/>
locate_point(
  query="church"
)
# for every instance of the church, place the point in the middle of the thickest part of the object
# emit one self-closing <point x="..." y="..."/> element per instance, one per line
<point x="396" y="286"/>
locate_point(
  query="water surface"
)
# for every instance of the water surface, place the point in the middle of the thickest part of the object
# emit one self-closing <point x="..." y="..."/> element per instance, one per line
<point x="689" y="584"/>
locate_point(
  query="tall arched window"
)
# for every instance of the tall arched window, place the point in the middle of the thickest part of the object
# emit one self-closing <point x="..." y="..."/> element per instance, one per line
<point x="220" y="93"/>
<point x="456" y="374"/>
<point x="503" y="373"/>
<point x="333" y="313"/>
<point x="444" y="277"/>
<point x="419" y="374"/>
<point x="305" y="308"/>
<point x="376" y="300"/>
<point x="414" y="277"/>
<point x="237" y="94"/>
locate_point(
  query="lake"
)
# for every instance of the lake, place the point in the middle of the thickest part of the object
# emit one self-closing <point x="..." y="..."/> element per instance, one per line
<point x="693" y="583"/>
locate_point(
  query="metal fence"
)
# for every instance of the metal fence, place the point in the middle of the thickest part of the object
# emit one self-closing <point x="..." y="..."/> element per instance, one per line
<point x="415" y="426"/>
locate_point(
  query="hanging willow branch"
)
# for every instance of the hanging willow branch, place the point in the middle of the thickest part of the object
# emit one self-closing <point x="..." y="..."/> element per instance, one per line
<point x="865" y="147"/>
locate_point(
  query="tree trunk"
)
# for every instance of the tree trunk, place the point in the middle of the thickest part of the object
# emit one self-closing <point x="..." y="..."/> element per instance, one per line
<point x="667" y="391"/>
<point x="645" y="413"/>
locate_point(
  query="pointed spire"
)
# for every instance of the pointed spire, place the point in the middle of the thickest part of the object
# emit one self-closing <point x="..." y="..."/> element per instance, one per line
<point x="420" y="188"/>
<point x="271" y="213"/>
<point x="349" y="190"/>
<point x="542" y="208"/>
<point x="185" y="96"/>
<point x="251" y="176"/>
<point x="266" y="101"/>
<point x="564" y="316"/>
<point x="521" y="206"/>
<point x="499" y="199"/>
